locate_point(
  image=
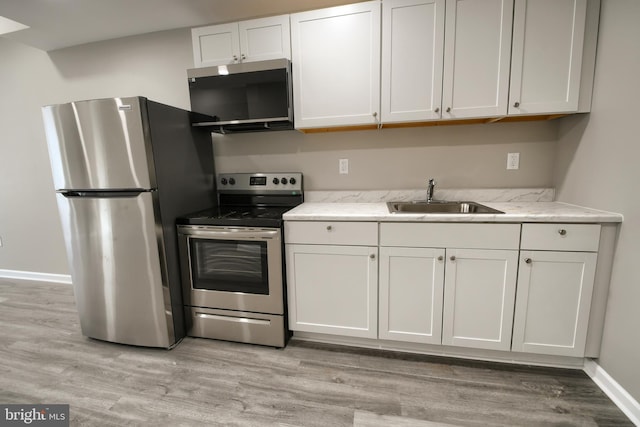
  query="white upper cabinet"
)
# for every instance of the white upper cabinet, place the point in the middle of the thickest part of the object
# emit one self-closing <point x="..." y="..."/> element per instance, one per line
<point x="412" y="59"/>
<point x="477" y="53"/>
<point x="434" y="68"/>
<point x="266" y="38"/>
<point x="336" y="65"/>
<point x="548" y="39"/>
<point x="215" y="45"/>
<point x="246" y="41"/>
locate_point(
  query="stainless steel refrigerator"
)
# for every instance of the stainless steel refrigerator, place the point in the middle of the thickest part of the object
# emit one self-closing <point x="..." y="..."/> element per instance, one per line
<point x="124" y="169"/>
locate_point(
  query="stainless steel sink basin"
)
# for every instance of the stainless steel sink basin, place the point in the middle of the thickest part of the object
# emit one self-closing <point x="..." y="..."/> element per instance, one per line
<point x="440" y="208"/>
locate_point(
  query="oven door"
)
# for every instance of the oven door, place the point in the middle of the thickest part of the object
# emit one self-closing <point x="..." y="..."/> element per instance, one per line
<point x="232" y="268"/>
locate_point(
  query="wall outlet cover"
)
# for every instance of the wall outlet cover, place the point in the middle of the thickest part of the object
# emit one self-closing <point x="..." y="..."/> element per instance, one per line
<point x="343" y="166"/>
<point x="513" y="161"/>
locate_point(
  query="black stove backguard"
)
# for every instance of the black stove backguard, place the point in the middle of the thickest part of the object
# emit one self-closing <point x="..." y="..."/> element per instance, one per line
<point x="251" y="199"/>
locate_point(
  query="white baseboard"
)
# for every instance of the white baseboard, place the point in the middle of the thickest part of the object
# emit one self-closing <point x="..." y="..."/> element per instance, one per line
<point x="38" y="277"/>
<point x="615" y="391"/>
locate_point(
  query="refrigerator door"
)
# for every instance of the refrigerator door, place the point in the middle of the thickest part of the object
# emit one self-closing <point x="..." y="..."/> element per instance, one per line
<point x="99" y="144"/>
<point x="117" y="271"/>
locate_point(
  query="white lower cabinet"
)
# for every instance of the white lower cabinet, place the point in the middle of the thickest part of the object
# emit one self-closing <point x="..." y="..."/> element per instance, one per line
<point x="479" y="294"/>
<point x="507" y="287"/>
<point x="411" y="281"/>
<point x="555" y="288"/>
<point x="332" y="288"/>
<point x="451" y="284"/>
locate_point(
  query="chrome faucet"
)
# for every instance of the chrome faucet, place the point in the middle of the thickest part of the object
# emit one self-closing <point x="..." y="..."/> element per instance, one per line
<point x="430" y="187"/>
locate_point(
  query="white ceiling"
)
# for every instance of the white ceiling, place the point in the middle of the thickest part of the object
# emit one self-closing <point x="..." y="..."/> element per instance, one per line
<point x="55" y="24"/>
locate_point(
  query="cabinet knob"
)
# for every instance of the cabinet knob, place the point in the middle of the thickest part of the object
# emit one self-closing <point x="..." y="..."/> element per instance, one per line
<point x="452" y="258"/>
<point x="437" y="110"/>
<point x="243" y="57"/>
<point x="516" y="104"/>
<point x="448" y="109"/>
<point x="235" y="58"/>
<point x="372" y="256"/>
<point x="528" y="260"/>
<point x="440" y="258"/>
<point x="329" y="228"/>
<point x="562" y="232"/>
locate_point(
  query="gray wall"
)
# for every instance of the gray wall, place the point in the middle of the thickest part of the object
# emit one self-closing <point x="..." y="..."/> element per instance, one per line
<point x="463" y="156"/>
<point x="594" y="164"/>
<point x="597" y="166"/>
<point x="151" y="65"/>
<point x="591" y="159"/>
<point x="472" y="156"/>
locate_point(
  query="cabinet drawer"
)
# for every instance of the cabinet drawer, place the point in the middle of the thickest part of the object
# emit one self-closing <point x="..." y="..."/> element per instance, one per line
<point x="331" y="233"/>
<point x="561" y="237"/>
<point x="471" y="236"/>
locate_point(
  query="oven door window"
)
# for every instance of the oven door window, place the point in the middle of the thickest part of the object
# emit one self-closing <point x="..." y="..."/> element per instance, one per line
<point x="229" y="265"/>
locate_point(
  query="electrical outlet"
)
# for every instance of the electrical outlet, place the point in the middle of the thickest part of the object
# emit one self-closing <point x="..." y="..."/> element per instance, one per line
<point x="343" y="166"/>
<point x="513" y="161"/>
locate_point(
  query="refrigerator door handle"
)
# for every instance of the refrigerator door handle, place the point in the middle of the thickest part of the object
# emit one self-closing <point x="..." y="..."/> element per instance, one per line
<point x="104" y="194"/>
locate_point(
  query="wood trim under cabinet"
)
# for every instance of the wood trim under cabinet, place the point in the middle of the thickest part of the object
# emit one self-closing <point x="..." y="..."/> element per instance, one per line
<point x="504" y="119"/>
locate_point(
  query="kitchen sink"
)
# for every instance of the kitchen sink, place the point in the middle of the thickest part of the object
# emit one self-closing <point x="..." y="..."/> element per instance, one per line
<point x="440" y="208"/>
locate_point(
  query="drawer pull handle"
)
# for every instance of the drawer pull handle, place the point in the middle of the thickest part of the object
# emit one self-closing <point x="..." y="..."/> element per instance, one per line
<point x="452" y="258"/>
<point x="440" y="258"/>
<point x="372" y="256"/>
<point x="562" y="232"/>
<point x="528" y="260"/>
<point x="234" y="319"/>
<point x="329" y="228"/>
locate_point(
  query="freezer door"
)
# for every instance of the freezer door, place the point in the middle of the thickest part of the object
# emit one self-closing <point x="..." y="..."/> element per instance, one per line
<point x="99" y="144"/>
<point x="115" y="258"/>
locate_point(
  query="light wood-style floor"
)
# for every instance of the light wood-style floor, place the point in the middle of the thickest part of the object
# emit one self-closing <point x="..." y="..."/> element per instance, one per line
<point x="45" y="359"/>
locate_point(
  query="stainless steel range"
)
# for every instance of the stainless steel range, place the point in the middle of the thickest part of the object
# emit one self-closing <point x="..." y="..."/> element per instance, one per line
<point x="232" y="260"/>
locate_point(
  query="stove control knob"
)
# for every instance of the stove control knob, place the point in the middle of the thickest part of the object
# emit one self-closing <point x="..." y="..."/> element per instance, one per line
<point x="223" y="181"/>
<point x="232" y="181"/>
<point x="276" y="181"/>
<point x="292" y="181"/>
<point x="284" y="181"/>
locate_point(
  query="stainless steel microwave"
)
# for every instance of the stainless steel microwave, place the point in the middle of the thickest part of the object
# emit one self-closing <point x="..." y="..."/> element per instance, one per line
<point x="244" y="97"/>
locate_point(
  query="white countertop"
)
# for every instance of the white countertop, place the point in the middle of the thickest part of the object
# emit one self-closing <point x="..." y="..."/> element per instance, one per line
<point x="513" y="212"/>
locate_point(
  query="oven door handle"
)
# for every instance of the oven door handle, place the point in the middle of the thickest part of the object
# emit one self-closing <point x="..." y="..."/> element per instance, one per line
<point x="234" y="234"/>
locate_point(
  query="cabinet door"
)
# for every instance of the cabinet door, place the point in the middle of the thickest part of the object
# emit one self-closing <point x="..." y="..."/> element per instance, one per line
<point x="553" y="302"/>
<point x="411" y="283"/>
<point x="266" y="38"/>
<point x="333" y="289"/>
<point x="336" y="65"/>
<point x="548" y="38"/>
<point x="215" y="45"/>
<point x="477" y="57"/>
<point x="479" y="295"/>
<point x="412" y="46"/>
